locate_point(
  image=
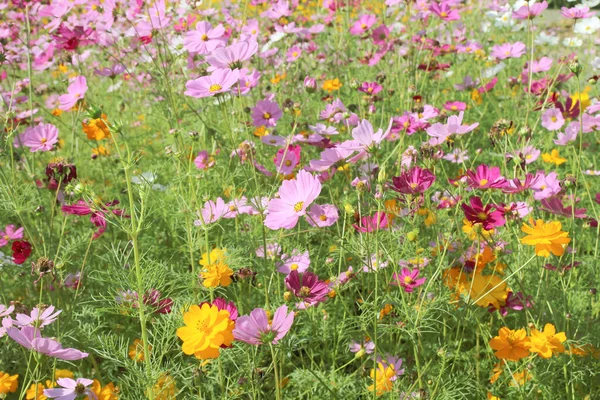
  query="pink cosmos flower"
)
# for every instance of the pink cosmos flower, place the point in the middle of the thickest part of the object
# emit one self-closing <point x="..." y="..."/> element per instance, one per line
<point x="255" y="328"/>
<point x="514" y="301"/>
<point x="520" y="209"/>
<point x="363" y="24"/>
<point x="546" y="185"/>
<point x="488" y="216"/>
<point x="75" y="92"/>
<point x="455" y="106"/>
<point x="5" y="312"/>
<point x="278" y="10"/>
<point x="211" y="212"/>
<point x="485" y="177"/>
<point x="514" y="186"/>
<point x="380" y="35"/>
<point x="391" y="361"/>
<point x="41" y="137"/>
<point x="367" y="224"/>
<point x="439" y="132"/>
<point x="287" y="159"/>
<point x="527" y="154"/>
<point x="530" y="11"/>
<point x="322" y="215"/>
<point x="203" y="160"/>
<point x="220" y="81"/>
<point x="508" y="50"/>
<point x="293" y="53"/>
<point x="577" y="12"/>
<point x="296" y="261"/>
<point x="266" y="113"/>
<point x="70" y="40"/>
<point x="542" y="65"/>
<point x="38" y="318"/>
<point x="250" y="30"/>
<point x="71" y="389"/>
<point x="569" y="136"/>
<point x="365" y="139"/>
<point x="330" y="158"/>
<point x="552" y="119"/>
<point x="371" y="88"/>
<point x="248" y="80"/>
<point x="31" y="338"/>
<point x="414" y="181"/>
<point x="362" y="348"/>
<point x="232" y="56"/>
<point x="488" y="86"/>
<point x="444" y="11"/>
<point x="204" y="39"/>
<point x="10" y="233"/>
<point x="407" y="279"/>
<point x="308" y="288"/>
<point x="295" y="196"/>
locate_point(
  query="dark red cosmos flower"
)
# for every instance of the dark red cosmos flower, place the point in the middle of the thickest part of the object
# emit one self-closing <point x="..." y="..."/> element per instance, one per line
<point x="554" y="205"/>
<point x="489" y="216"/>
<point x="307" y="287"/>
<point x="21" y="249"/>
<point x="161" y="306"/>
<point x="60" y="172"/>
<point x="414" y="181"/>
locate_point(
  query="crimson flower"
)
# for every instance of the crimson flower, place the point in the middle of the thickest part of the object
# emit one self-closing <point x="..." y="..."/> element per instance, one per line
<point x="489" y="215"/>
<point x="414" y="181"/>
<point x="21" y="249"/>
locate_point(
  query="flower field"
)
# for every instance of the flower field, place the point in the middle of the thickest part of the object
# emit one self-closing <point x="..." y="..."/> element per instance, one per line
<point x="299" y="199"/>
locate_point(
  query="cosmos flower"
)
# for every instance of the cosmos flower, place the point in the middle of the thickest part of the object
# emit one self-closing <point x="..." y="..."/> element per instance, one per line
<point x="307" y="288"/>
<point x="10" y="233"/>
<point x="266" y="113"/>
<point x="511" y="345"/>
<point x="363" y="24"/>
<point x="204" y="39"/>
<point x="30" y="338"/>
<point x="75" y="92"/>
<point x="407" y="279"/>
<point x="488" y="216"/>
<point x="256" y="328"/>
<point x="41" y="137"/>
<point x="414" y="181"/>
<point x="508" y="50"/>
<point x="71" y="389"/>
<point x="295" y="196"/>
<point x="547" y="342"/>
<point x="485" y="177"/>
<point x="546" y="237"/>
<point x="219" y="81"/>
<point x="206" y="329"/>
<point x="38" y="318"/>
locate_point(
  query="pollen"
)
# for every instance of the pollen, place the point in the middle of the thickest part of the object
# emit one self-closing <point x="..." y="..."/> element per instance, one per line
<point x="298" y="206"/>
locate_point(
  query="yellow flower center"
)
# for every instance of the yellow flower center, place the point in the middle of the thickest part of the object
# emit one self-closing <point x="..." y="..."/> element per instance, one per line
<point x="363" y="26"/>
<point x="443" y="14"/>
<point x="288" y="163"/>
<point x="215" y="88"/>
<point x="266" y="115"/>
<point x="43" y="140"/>
<point x="304" y="291"/>
<point x="482" y="216"/>
<point x="323" y="217"/>
<point x="294" y="266"/>
<point x="204" y="38"/>
<point x="408" y="280"/>
<point x="298" y="207"/>
<point x="295" y="54"/>
<point x="483" y="182"/>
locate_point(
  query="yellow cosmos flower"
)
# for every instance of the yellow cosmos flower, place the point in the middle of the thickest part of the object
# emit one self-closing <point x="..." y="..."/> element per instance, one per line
<point x="511" y="345"/>
<point x="553" y="158"/>
<point x="108" y="392"/>
<point x="206" y="329"/>
<point x="96" y="129"/>
<point x="215" y="270"/>
<point x="8" y="383"/>
<point x="382" y="376"/>
<point x="546" y="237"/>
<point x="488" y="290"/>
<point x="35" y="392"/>
<point x="332" y="85"/>
<point x="547" y="342"/>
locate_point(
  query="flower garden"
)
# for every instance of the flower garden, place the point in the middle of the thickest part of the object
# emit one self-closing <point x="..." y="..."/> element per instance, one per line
<point x="299" y="199"/>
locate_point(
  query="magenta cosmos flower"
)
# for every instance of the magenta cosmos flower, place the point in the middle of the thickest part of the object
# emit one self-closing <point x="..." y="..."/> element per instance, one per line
<point x="307" y="287"/>
<point x="98" y="213"/>
<point x="266" y="113"/>
<point x="75" y="92"/>
<point x="31" y="338"/>
<point x="508" y="50"/>
<point x="295" y="195"/>
<point x="220" y="81"/>
<point x="10" y="233"/>
<point x="408" y="279"/>
<point x="414" y="181"/>
<point x="255" y="328"/>
<point x="368" y="224"/>
<point x="489" y="216"/>
<point x="364" y="23"/>
<point x="71" y="389"/>
<point x="485" y="177"/>
<point x="204" y="39"/>
<point x="42" y="137"/>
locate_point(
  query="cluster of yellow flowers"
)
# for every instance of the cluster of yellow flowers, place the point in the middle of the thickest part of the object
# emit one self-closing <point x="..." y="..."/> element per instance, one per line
<point x="215" y="270"/>
<point x="514" y="345"/>
<point x="546" y="237"/>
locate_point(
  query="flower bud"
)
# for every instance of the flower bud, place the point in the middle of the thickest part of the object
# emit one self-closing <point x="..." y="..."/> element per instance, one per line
<point x="310" y="84"/>
<point x="575" y="67"/>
